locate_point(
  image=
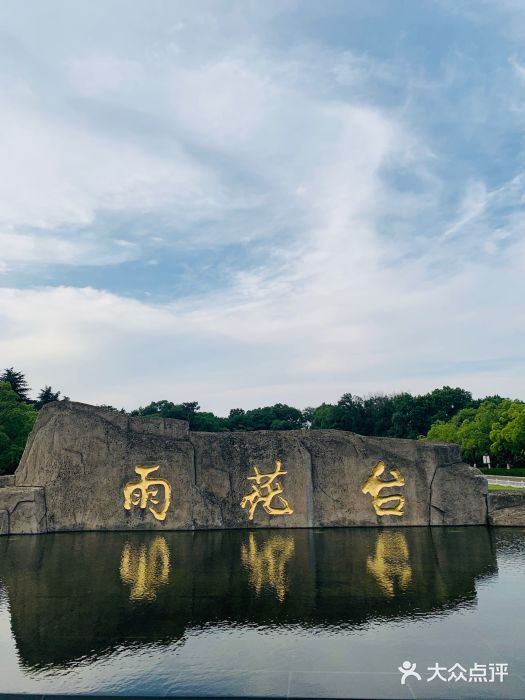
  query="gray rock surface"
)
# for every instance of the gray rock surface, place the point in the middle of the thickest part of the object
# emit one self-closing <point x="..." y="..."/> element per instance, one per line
<point x="4" y="522"/>
<point x="84" y="457"/>
<point x="459" y="494"/>
<point x="507" y="508"/>
<point x="22" y="510"/>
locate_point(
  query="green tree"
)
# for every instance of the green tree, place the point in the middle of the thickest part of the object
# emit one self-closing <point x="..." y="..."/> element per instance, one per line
<point x="280" y="416"/>
<point x="164" y="408"/>
<point x="308" y="416"/>
<point x="325" y="417"/>
<point x="508" y="433"/>
<point x="399" y="415"/>
<point x="496" y="427"/>
<point x="350" y="414"/>
<point x="378" y="410"/>
<point x="16" y="420"/>
<point x="188" y="411"/>
<point x="46" y="395"/>
<point x="474" y="430"/>
<point x="237" y="419"/>
<point x="17" y="382"/>
<point x="204" y="421"/>
<point x="414" y="415"/>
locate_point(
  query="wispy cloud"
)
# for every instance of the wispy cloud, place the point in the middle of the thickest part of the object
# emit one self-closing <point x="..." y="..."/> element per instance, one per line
<point x="354" y="206"/>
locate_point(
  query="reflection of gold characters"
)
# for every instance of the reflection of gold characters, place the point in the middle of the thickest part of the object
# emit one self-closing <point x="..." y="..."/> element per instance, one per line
<point x="391" y="561"/>
<point x="145" y="568"/>
<point x="264" y="491"/>
<point x="138" y="493"/>
<point x="374" y="485"/>
<point x="268" y="565"/>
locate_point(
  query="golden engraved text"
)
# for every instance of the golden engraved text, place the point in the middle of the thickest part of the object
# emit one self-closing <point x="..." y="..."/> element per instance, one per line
<point x="264" y="490"/>
<point x="140" y="493"/>
<point x="374" y="485"/>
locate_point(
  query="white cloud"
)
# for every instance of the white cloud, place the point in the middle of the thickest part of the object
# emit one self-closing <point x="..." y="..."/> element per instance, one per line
<point x="42" y="249"/>
<point x="103" y="75"/>
<point x="518" y="67"/>
<point x="376" y="281"/>
<point x="61" y="174"/>
<point x="471" y="207"/>
<point x="234" y="102"/>
<point x="301" y="338"/>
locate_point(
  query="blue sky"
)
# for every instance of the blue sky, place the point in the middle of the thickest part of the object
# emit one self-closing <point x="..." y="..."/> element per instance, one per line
<point x="250" y="202"/>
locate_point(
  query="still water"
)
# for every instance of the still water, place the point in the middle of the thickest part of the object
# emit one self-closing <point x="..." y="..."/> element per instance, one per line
<point x="316" y="613"/>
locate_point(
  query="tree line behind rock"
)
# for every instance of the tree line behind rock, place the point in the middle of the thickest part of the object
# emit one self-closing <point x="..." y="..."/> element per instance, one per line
<point x="494" y="425"/>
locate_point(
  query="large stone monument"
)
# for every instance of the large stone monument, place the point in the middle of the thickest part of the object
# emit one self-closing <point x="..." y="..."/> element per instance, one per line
<point x="86" y="468"/>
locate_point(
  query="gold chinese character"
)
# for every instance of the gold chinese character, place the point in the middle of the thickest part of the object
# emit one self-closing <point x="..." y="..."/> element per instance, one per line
<point x="267" y="565"/>
<point x="264" y="491"/>
<point x="391" y="562"/>
<point x="374" y="485"/>
<point x="138" y="493"/>
<point x="146" y="568"/>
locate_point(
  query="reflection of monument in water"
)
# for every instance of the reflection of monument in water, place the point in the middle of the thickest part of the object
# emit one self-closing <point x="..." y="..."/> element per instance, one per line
<point x="145" y="568"/>
<point x="390" y="564"/>
<point x="78" y="595"/>
<point x="267" y="565"/>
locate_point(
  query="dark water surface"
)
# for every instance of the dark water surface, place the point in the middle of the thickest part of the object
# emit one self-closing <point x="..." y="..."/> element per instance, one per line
<point x="291" y="612"/>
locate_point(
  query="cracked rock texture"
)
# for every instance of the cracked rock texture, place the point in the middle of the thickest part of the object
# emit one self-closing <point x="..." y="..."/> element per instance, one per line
<point x="507" y="508"/>
<point x="79" y="458"/>
<point x="22" y="510"/>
